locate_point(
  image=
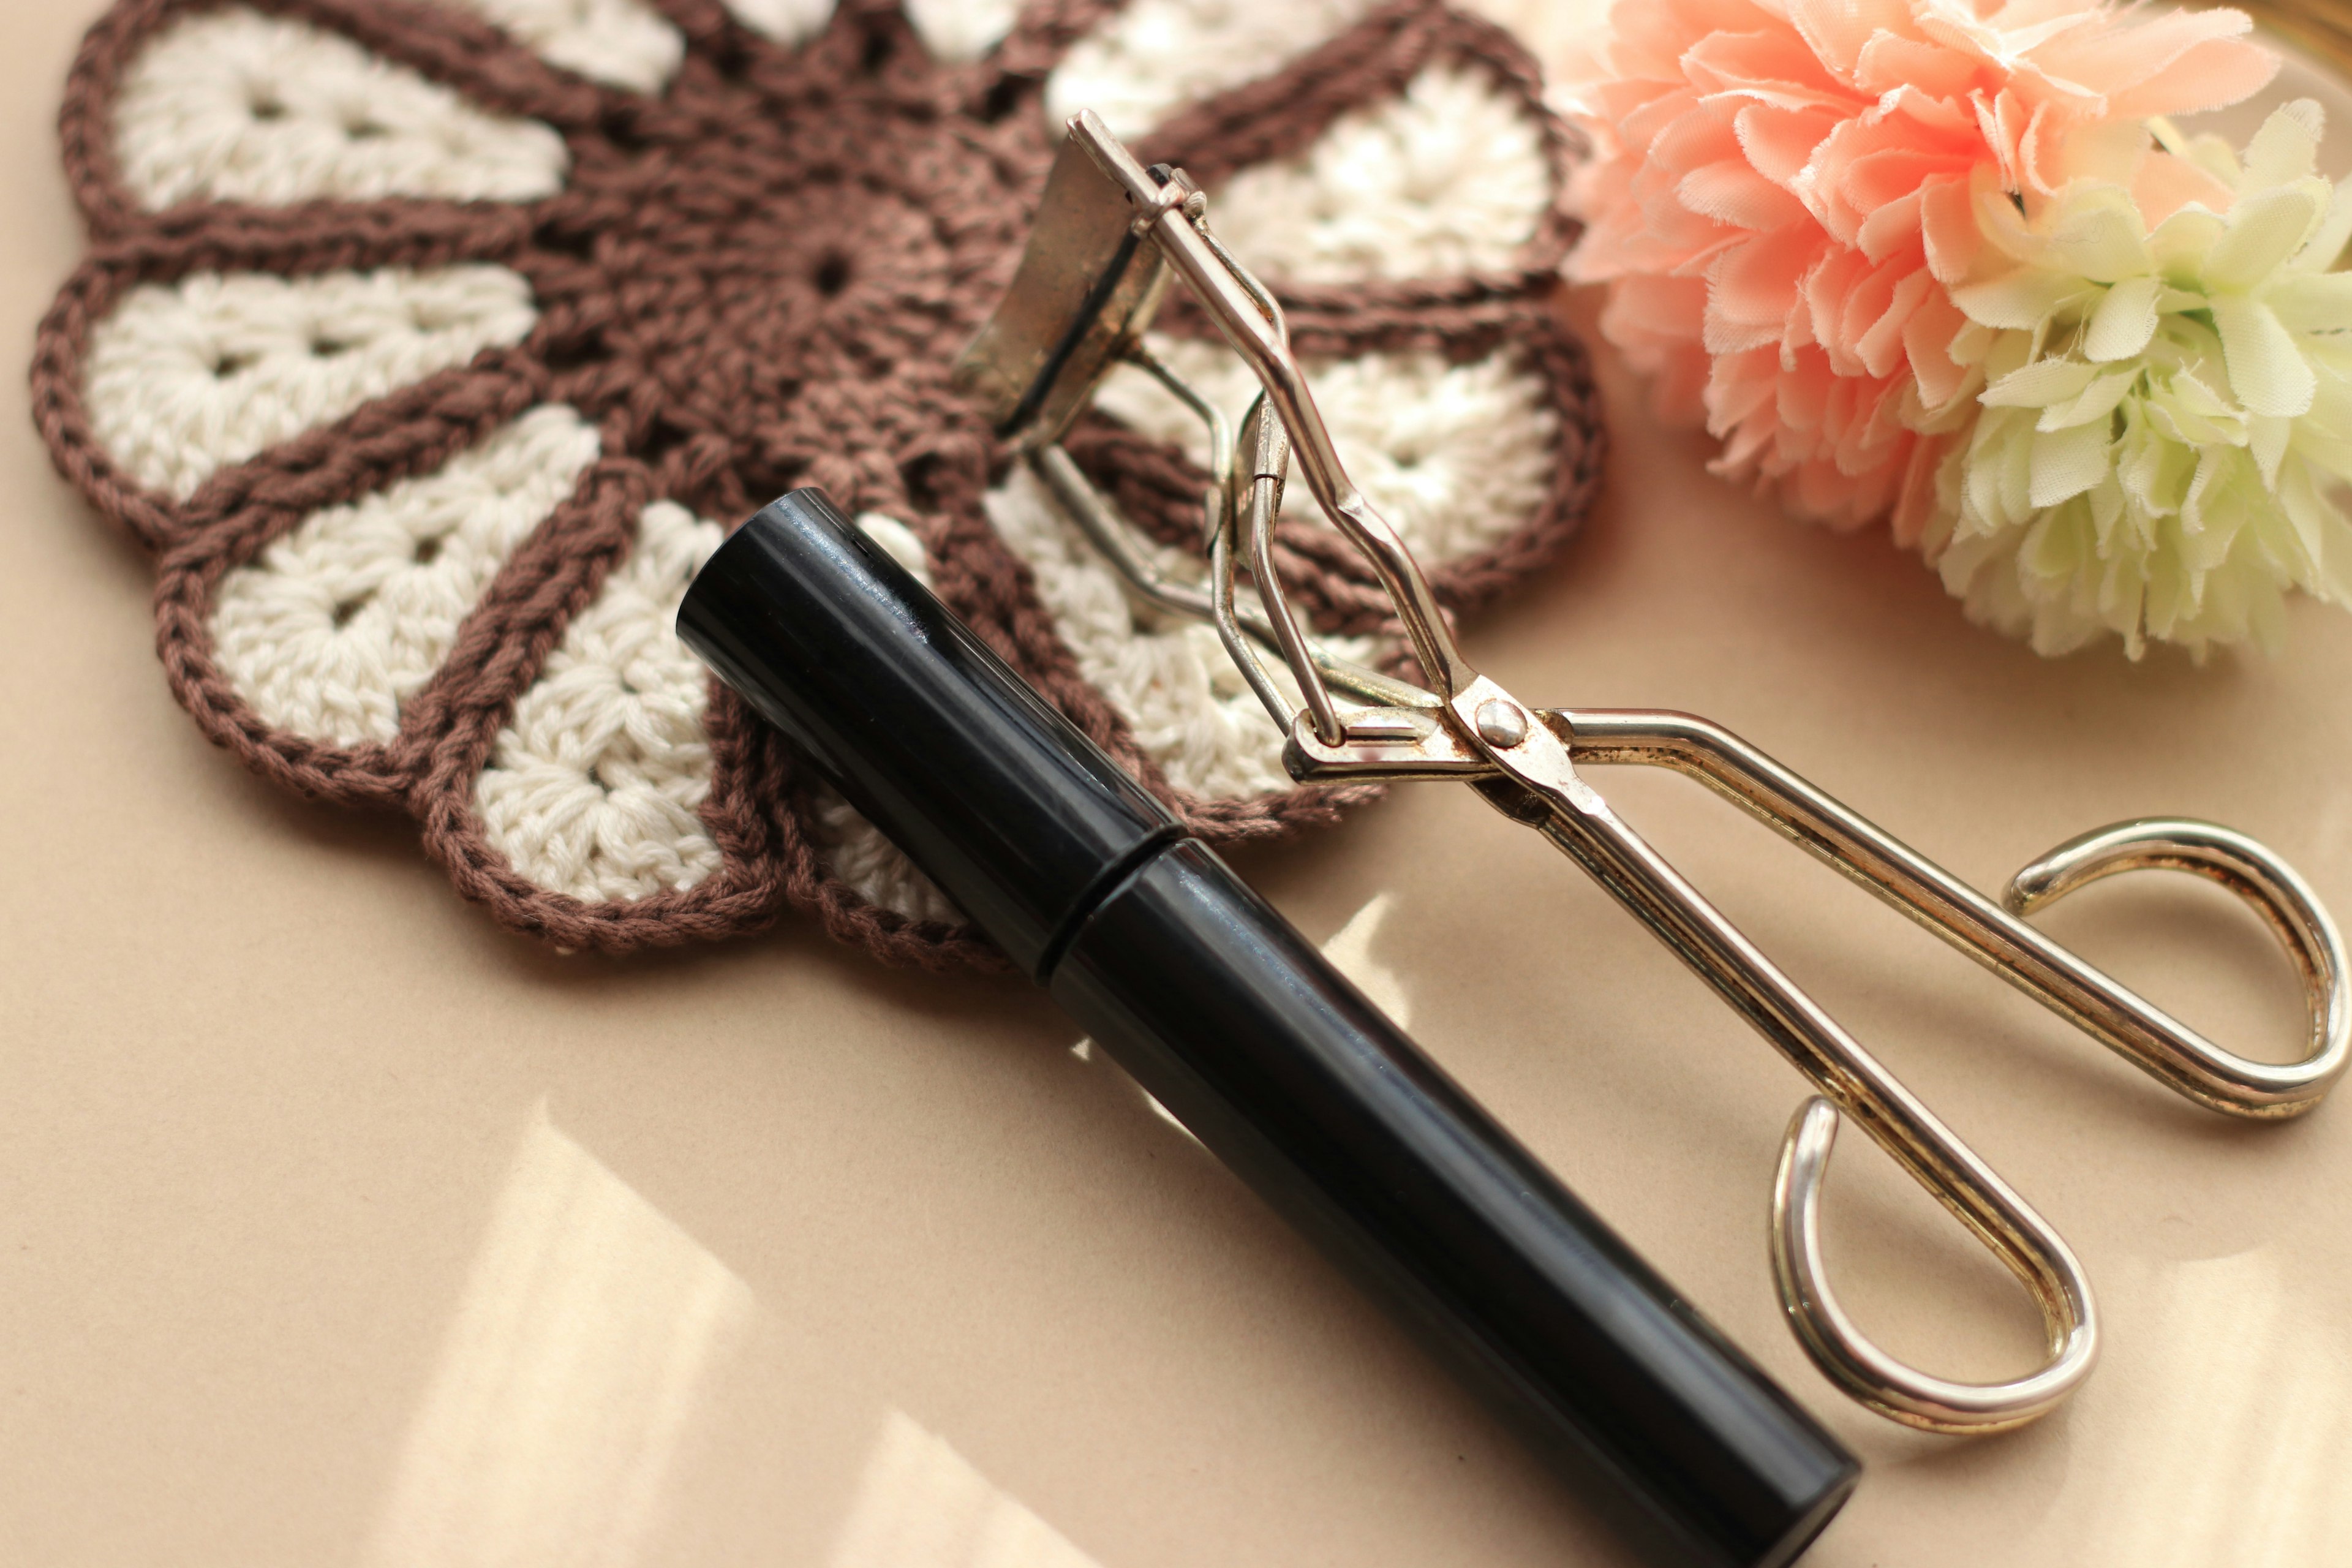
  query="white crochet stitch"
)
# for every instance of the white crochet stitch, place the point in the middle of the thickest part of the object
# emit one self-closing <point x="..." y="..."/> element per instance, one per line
<point x="342" y="621"/>
<point x="1561" y="34"/>
<point x="622" y="43"/>
<point x="960" y="30"/>
<point x="594" y="786"/>
<point x="1448" y="177"/>
<point x="952" y="30"/>
<point x="1455" y="456"/>
<point x="235" y="106"/>
<point x="786" y="21"/>
<point x="1158" y="54"/>
<point x="184" y="377"/>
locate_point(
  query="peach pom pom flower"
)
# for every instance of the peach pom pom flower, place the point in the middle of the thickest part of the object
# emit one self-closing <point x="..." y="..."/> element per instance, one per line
<point x="1789" y="202"/>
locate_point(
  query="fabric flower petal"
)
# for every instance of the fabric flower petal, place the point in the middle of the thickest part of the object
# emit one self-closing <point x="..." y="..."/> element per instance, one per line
<point x="2266" y="368"/>
<point x="2123" y="321"/>
<point x="2067" y="462"/>
<point x="2266" y="227"/>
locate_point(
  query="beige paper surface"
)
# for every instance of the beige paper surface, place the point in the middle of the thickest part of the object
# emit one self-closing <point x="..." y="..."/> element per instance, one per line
<point x="338" y="1227"/>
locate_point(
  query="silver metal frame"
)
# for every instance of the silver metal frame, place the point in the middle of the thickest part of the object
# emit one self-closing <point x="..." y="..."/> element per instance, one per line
<point x="1523" y="760"/>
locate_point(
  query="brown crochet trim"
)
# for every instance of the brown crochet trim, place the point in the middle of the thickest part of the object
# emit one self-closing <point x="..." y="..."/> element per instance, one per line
<point x="680" y="280"/>
<point x="413" y="434"/>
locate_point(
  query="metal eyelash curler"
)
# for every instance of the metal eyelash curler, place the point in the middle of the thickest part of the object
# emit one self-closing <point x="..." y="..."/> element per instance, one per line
<point x="1108" y="235"/>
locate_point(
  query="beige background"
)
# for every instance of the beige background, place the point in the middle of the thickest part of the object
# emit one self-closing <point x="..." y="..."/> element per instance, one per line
<point x="338" y="1227"/>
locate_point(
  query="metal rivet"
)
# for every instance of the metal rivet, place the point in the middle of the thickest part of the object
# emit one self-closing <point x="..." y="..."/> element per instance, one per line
<point x="1500" y="723"/>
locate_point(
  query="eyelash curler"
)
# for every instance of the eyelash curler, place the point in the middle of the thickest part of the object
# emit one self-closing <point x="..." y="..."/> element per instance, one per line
<point x="1110" y="237"/>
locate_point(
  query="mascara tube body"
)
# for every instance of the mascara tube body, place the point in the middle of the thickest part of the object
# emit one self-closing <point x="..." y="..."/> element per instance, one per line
<point x="1249" y="1037"/>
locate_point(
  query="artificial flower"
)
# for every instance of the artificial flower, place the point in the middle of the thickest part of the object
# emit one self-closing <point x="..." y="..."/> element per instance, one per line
<point x="1784" y="191"/>
<point x="2163" y="429"/>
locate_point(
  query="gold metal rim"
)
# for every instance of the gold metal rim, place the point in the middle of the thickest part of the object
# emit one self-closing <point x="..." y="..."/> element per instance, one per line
<point x="2322" y="29"/>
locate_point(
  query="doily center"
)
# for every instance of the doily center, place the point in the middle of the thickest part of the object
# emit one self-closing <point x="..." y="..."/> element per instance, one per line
<point x="796" y="278"/>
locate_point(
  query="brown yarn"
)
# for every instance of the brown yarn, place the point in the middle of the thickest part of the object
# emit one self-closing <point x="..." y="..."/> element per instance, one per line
<point x="754" y="280"/>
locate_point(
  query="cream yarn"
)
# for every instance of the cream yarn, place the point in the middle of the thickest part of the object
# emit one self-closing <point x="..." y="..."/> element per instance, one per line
<point x="1448" y="177"/>
<point x="185" y="377"/>
<point x="234" y="106"/>
<point x="622" y="43"/>
<point x="342" y="621"/>
<point x="594" y="785"/>
<point x="1156" y="55"/>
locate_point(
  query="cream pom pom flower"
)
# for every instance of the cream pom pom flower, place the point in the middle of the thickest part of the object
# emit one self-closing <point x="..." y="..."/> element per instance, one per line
<point x="2163" y="430"/>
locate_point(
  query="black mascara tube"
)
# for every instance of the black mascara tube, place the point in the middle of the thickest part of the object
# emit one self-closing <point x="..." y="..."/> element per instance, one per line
<point x="1249" y="1037"/>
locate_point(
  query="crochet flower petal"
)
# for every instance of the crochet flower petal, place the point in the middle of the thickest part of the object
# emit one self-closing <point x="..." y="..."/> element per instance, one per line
<point x="1451" y="175"/>
<point x="959" y="31"/>
<point x="348" y="595"/>
<point x="596" y="780"/>
<point x="621" y="43"/>
<point x="617" y="800"/>
<point x="184" y="377"/>
<point x="333" y="628"/>
<point x="786" y="21"/>
<point x="1457" y="454"/>
<point x="1158" y="55"/>
<point x="1411" y="149"/>
<point x="236" y="106"/>
<point x="1170" y="680"/>
<point x="851" y="850"/>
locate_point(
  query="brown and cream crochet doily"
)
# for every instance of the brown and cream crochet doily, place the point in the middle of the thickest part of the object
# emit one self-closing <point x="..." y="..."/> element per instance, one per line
<point x="429" y="343"/>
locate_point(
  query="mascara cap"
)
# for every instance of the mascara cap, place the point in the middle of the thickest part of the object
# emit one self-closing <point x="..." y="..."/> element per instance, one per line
<point x="991" y="791"/>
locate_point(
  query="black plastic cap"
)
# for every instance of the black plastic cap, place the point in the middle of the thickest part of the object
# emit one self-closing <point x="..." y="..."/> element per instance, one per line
<point x="999" y="798"/>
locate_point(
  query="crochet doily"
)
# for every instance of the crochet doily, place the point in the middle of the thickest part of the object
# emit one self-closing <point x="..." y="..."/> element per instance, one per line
<point x="429" y="343"/>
